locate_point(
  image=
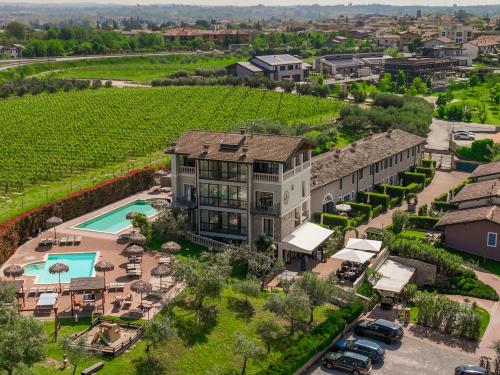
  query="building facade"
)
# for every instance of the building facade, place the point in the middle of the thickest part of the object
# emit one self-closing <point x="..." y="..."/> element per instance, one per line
<point x="340" y="174"/>
<point x="239" y="186"/>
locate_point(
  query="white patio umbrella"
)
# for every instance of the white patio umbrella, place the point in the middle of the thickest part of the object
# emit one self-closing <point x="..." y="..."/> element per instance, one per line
<point x="356" y="256"/>
<point x="343" y="207"/>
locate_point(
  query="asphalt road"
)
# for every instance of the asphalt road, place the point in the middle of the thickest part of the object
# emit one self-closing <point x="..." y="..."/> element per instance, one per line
<point x="411" y="357"/>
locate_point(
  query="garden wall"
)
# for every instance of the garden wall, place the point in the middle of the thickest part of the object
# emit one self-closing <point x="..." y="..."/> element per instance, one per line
<point x="23" y="227"/>
<point x="425" y="273"/>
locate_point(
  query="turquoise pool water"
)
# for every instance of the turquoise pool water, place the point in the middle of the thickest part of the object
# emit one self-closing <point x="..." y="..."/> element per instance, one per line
<point x="116" y="220"/>
<point x="80" y="265"/>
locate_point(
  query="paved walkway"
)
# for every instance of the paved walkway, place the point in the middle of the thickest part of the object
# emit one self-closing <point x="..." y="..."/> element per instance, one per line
<point x="443" y="181"/>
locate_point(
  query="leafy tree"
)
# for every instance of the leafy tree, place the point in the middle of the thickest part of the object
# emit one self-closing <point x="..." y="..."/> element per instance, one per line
<point x="419" y="86"/>
<point x="248" y="287"/>
<point x="399" y="221"/>
<point x="16" y="30"/>
<point x="22" y="342"/>
<point x="268" y="330"/>
<point x="294" y="307"/>
<point x="385" y="83"/>
<point x="142" y="223"/>
<point x="7" y="292"/>
<point x="401" y="79"/>
<point x="343" y="94"/>
<point x="409" y="292"/>
<point x="76" y="351"/>
<point x="319" y="291"/>
<point x="247" y="349"/>
<point x="157" y="331"/>
<point x="473" y="79"/>
<point x="171" y="222"/>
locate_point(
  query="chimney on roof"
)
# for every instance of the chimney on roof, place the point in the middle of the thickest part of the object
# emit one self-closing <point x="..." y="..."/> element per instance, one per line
<point x="353" y="146"/>
<point x="172" y="147"/>
<point x="244" y="150"/>
<point x="206" y="146"/>
<point x="337" y="153"/>
<point x="389" y="133"/>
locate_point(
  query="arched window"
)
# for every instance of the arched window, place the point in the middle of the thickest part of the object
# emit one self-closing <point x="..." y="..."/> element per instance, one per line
<point x="328" y="205"/>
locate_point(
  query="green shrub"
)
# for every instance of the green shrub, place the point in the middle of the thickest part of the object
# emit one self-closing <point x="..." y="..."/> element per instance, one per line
<point x="317" y="217"/>
<point x="428" y="163"/>
<point x="335" y="220"/>
<point x="443" y="206"/>
<point x="375" y="199"/>
<point x="412" y="177"/>
<point x="392" y="190"/>
<point x="423" y="222"/>
<point x="361" y="209"/>
<point x="480" y="150"/>
<point x="393" y="202"/>
<point x="412" y="188"/>
<point x="428" y="181"/>
<point x="297" y="354"/>
<point x="429" y="172"/>
<point x="422" y="210"/>
<point x="468" y="286"/>
<point x="356" y="221"/>
<point x="456" y="189"/>
<point x="377" y="210"/>
<point x="442" y="197"/>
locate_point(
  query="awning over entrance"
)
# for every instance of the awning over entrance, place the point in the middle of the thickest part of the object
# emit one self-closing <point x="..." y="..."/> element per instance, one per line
<point x="372" y="246"/>
<point x="395" y="276"/>
<point x="306" y="238"/>
<point x="356" y="256"/>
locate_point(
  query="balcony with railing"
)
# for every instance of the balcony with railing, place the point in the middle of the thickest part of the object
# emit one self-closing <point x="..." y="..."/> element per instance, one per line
<point x="183" y="169"/>
<point x="266" y="209"/>
<point x="266" y="177"/>
<point x="224" y="202"/>
<point x="224" y="229"/>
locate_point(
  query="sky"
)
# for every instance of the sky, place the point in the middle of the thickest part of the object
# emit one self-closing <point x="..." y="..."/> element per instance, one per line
<point x="265" y="2"/>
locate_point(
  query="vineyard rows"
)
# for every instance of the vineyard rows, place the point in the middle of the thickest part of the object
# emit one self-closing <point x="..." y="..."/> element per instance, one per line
<point x="51" y="136"/>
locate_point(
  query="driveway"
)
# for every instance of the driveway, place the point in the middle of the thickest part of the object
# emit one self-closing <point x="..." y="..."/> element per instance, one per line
<point x="411" y="357"/>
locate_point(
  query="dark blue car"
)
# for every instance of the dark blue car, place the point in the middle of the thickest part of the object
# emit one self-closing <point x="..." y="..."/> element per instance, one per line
<point x="370" y="349"/>
<point x="470" y="370"/>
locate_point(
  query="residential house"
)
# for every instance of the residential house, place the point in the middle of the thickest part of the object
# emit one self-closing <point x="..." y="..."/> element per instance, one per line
<point x="387" y="41"/>
<point x="459" y="33"/>
<point x="338" y="175"/>
<point x="239" y="186"/>
<point x="14" y="51"/>
<point x="489" y="171"/>
<point x="482" y="46"/>
<point x="407" y="38"/>
<point x="275" y="67"/>
<point x="474" y="226"/>
<point x="348" y="65"/>
<point x="218" y="37"/>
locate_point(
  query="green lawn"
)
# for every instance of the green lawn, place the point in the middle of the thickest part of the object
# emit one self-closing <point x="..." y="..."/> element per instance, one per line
<point x="490" y="265"/>
<point x="414" y="233"/>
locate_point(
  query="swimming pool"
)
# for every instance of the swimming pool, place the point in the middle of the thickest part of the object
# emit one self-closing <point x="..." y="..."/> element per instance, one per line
<point x="80" y="265"/>
<point x="115" y="221"/>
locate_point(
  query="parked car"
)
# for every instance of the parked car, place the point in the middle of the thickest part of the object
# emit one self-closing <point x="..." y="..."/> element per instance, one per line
<point x="464" y="135"/>
<point x="354" y="363"/>
<point x="470" y="370"/>
<point x="380" y="329"/>
<point x="368" y="348"/>
<point x="387" y="303"/>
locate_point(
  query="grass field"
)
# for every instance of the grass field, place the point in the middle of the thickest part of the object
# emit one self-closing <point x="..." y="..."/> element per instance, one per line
<point x="142" y="71"/>
<point x="52" y="139"/>
<point x="135" y="68"/>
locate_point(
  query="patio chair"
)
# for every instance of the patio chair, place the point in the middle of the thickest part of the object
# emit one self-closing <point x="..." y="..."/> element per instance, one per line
<point x="63" y="241"/>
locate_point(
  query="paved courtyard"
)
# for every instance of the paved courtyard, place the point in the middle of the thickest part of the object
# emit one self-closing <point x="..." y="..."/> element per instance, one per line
<point x="411" y="357"/>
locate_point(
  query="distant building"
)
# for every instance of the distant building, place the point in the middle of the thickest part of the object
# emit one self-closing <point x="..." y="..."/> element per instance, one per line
<point x="275" y="67"/>
<point x="407" y="38"/>
<point x="437" y="70"/>
<point x="218" y="37"/>
<point x="387" y="41"/>
<point x="490" y="171"/>
<point x="482" y="46"/>
<point x="458" y="33"/>
<point x="350" y="65"/>
<point x="14" y="51"/>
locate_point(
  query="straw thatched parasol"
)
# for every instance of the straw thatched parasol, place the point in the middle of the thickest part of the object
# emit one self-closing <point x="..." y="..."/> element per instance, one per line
<point x="132" y="215"/>
<point x="161" y="271"/>
<point x="13" y="271"/>
<point x="133" y="250"/>
<point x="53" y="222"/>
<point x="137" y="238"/>
<point x="159" y="204"/>
<point x="171" y="247"/>
<point x="141" y="286"/>
<point x="104" y="266"/>
<point x="59" y="268"/>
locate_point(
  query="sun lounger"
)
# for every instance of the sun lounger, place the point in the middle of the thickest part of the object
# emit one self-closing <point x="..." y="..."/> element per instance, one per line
<point x="136" y="313"/>
<point x="63" y="241"/>
<point x="50" y="241"/>
<point x="116" y="286"/>
<point x="78" y="240"/>
<point x="165" y="260"/>
<point x="65" y="289"/>
<point x="133" y="266"/>
<point x="70" y="241"/>
<point x="134" y="272"/>
<point x="33" y="291"/>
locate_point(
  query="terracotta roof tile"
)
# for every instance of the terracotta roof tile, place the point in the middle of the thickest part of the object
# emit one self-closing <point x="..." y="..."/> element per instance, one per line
<point x="229" y="146"/>
<point x="478" y="190"/>
<point x="490" y="213"/>
<point x="486" y="169"/>
<point x="327" y="168"/>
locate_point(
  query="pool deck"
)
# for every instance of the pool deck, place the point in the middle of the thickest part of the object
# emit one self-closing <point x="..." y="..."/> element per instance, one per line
<point x="110" y="249"/>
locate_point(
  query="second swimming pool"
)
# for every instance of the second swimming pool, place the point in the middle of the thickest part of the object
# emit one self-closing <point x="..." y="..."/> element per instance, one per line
<point x="115" y="221"/>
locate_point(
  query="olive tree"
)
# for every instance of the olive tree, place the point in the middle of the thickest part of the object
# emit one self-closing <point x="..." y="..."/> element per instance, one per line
<point x="268" y="330"/>
<point x="319" y="291"/>
<point x="76" y="351"/>
<point x="294" y="307"/>
<point x="246" y="348"/>
<point x="248" y="287"/>
<point x="157" y="331"/>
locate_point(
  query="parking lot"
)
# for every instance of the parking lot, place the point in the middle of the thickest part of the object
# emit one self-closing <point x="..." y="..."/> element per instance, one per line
<point x="413" y="357"/>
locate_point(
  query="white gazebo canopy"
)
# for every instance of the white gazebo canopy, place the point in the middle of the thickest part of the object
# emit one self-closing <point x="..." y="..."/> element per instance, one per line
<point x="47" y="299"/>
<point x="306" y="238"/>
<point x="395" y="276"/>
<point x="372" y="246"/>
<point x="357" y="256"/>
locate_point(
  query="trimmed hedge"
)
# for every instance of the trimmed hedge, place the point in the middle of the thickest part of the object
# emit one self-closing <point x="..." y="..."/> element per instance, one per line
<point x="335" y="220"/>
<point x="395" y="201"/>
<point x="429" y="172"/>
<point x="361" y="209"/>
<point x="20" y="228"/>
<point x="428" y="163"/>
<point x="412" y="177"/>
<point x="412" y="188"/>
<point x="375" y="199"/>
<point x="442" y="197"/>
<point x="428" y="181"/>
<point x="297" y="355"/>
<point x="317" y="217"/>
<point x="443" y="206"/>
<point x="377" y="210"/>
<point x="423" y="222"/>
<point x="392" y="190"/>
